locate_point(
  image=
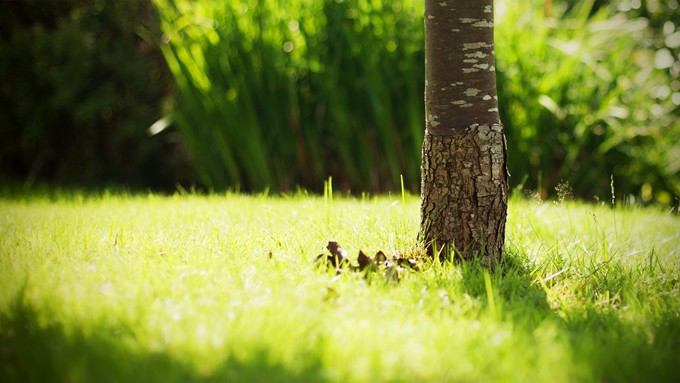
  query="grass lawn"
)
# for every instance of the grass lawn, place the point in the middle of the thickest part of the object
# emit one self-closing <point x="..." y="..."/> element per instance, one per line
<point x="145" y="288"/>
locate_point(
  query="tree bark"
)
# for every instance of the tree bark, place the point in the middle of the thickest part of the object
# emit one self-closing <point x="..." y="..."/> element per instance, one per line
<point x="463" y="173"/>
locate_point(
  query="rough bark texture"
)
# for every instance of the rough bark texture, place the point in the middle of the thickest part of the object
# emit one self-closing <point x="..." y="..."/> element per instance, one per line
<point x="464" y="193"/>
<point x="464" y="176"/>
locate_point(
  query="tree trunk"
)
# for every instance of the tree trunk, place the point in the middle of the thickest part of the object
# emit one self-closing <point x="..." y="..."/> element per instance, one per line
<point x="464" y="178"/>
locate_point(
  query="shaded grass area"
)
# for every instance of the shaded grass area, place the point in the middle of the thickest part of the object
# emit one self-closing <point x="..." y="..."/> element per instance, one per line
<point x="34" y="351"/>
<point x="222" y="288"/>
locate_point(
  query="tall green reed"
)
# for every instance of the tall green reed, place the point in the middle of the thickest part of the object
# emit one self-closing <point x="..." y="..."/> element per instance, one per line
<point x="287" y="93"/>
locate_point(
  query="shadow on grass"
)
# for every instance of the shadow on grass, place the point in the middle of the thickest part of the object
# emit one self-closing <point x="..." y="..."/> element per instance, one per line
<point x="617" y="349"/>
<point x="513" y="287"/>
<point x="34" y="352"/>
<point x="607" y="344"/>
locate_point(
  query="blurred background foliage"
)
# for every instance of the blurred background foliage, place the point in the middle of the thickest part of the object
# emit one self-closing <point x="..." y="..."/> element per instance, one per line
<point x="257" y="94"/>
<point x="81" y="80"/>
<point x="584" y="97"/>
<point x="285" y="93"/>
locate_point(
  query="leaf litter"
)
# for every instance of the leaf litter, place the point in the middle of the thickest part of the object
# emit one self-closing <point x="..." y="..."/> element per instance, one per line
<point x="392" y="268"/>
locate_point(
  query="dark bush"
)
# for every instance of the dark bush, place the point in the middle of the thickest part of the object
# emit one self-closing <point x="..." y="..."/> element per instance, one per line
<point x="82" y="81"/>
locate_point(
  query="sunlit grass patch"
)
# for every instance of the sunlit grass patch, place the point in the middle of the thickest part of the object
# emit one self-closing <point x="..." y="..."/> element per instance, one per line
<point x="224" y="287"/>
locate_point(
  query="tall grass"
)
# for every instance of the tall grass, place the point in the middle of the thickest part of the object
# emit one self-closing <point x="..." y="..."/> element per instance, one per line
<point x="278" y="94"/>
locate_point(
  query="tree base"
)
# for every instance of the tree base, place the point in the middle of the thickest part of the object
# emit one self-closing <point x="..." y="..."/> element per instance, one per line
<point x="464" y="193"/>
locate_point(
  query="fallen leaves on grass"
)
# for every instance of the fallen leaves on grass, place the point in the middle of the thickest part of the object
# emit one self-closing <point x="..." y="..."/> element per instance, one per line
<point x="391" y="268"/>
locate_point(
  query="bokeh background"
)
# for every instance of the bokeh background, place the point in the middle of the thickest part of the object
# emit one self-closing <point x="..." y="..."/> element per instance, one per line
<point x="256" y="95"/>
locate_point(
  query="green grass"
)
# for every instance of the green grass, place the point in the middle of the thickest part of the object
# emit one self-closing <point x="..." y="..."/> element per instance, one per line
<point x="222" y="288"/>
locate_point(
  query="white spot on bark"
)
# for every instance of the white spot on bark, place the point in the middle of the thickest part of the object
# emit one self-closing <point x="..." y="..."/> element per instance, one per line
<point x="493" y="110"/>
<point x="471" y="61"/>
<point x="470" y="70"/>
<point x="455" y="30"/>
<point x="443" y="3"/>
<point x="482" y="66"/>
<point x="461" y="103"/>
<point x="433" y="121"/>
<point x="478" y="55"/>
<point x="486" y="97"/>
<point x="483" y="24"/>
<point x="467" y="20"/>
<point x="471" y="92"/>
<point x="430" y="17"/>
<point x="488" y="9"/>
<point x="492" y="68"/>
<point x="481" y="44"/>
